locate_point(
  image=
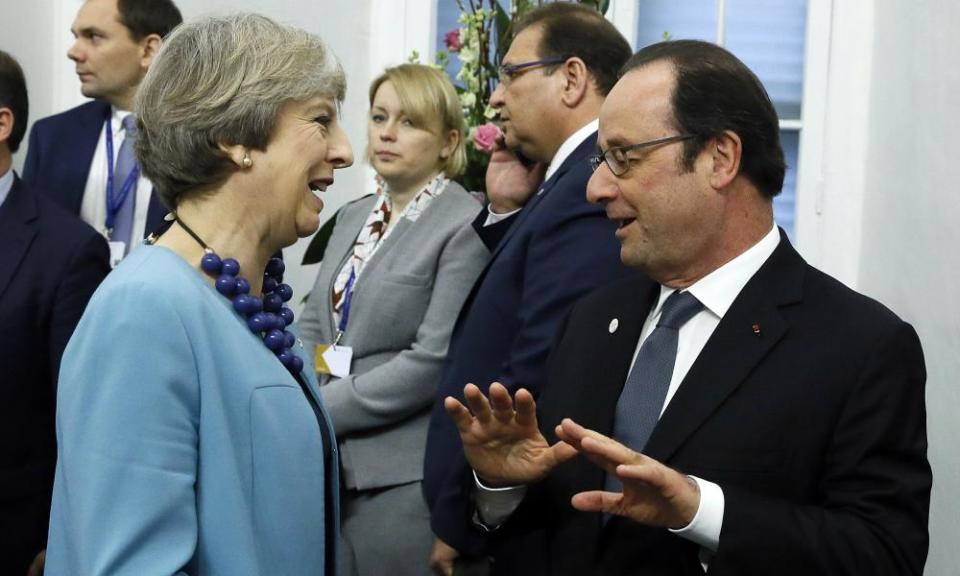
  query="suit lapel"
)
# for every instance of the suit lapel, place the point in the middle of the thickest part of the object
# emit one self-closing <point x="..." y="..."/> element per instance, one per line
<point x="342" y="245"/>
<point x="613" y="360"/>
<point x="83" y="135"/>
<point x="748" y="331"/>
<point x="578" y="155"/>
<point x="16" y="234"/>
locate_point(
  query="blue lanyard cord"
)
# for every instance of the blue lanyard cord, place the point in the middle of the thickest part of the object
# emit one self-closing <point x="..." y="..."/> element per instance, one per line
<point x="115" y="199"/>
<point x="347" y="299"/>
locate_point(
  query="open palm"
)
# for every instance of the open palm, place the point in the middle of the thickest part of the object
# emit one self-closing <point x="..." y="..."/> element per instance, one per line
<point x="500" y="436"/>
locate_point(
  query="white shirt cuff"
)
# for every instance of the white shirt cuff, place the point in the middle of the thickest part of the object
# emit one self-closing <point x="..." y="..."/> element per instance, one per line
<point x="495" y="505"/>
<point x="705" y="527"/>
<point x="493" y="217"/>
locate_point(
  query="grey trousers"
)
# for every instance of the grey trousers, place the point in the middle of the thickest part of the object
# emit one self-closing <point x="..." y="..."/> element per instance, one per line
<point x="385" y="532"/>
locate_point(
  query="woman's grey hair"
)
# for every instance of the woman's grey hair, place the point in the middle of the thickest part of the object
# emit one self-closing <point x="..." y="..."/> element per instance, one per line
<point x="222" y="80"/>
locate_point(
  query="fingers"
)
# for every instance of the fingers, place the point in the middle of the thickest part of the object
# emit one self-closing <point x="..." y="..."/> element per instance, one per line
<point x="562" y="452"/>
<point x="646" y="473"/>
<point x="458" y="412"/>
<point x="501" y="403"/>
<point x="595" y="444"/>
<point x="597" y="501"/>
<point x="477" y="403"/>
<point x="526" y="408"/>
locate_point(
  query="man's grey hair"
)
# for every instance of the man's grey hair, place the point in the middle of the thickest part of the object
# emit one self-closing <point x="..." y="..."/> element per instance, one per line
<point x="222" y="80"/>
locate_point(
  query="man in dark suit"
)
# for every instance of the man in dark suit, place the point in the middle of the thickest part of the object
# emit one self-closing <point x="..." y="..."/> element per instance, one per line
<point x="50" y="264"/>
<point x="734" y="409"/>
<point x="77" y="156"/>
<point x="555" y="249"/>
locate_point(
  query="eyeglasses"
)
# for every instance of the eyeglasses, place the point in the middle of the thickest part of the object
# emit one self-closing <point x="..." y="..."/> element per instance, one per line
<point x="616" y="157"/>
<point x="508" y="72"/>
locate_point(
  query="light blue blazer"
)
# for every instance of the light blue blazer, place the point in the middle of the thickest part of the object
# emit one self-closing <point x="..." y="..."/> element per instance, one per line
<point x="184" y="445"/>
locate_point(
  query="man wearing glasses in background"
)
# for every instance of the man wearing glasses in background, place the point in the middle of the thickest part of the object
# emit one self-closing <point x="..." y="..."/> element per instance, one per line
<point x="732" y="409"/>
<point x="549" y="245"/>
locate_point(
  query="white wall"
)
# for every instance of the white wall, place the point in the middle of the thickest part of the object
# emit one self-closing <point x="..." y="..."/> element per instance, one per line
<point x="881" y="199"/>
<point x="911" y="212"/>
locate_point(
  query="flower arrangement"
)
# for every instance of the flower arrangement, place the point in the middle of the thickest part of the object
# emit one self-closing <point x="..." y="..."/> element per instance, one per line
<point x="485" y="32"/>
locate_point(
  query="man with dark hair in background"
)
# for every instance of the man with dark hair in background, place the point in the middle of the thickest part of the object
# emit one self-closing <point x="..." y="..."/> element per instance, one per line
<point x="83" y="158"/>
<point x="50" y="264"/>
<point x="732" y="409"/>
<point x="549" y="245"/>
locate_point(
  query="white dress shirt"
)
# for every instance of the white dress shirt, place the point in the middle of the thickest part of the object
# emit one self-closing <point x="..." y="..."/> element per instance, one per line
<point x="565" y="149"/>
<point x="6" y="183"/>
<point x="716" y="291"/>
<point x="93" y="209"/>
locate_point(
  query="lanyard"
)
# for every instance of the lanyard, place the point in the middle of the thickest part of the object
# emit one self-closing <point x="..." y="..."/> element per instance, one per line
<point x="345" y="309"/>
<point x="116" y="199"/>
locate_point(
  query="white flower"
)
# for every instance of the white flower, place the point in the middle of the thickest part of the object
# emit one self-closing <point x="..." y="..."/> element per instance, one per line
<point x="468" y="100"/>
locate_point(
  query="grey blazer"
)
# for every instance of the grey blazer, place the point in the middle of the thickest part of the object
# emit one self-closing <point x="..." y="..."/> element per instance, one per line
<point x="402" y="313"/>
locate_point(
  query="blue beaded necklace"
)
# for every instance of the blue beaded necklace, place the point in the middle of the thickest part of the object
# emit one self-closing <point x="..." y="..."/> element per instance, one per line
<point x="268" y="317"/>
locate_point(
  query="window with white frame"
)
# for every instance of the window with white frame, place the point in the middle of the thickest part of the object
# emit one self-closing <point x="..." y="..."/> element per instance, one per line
<point x="768" y="35"/>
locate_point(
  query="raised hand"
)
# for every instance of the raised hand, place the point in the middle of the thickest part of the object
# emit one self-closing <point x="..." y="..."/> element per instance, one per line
<point x="653" y="494"/>
<point x="500" y="436"/>
<point x="510" y="183"/>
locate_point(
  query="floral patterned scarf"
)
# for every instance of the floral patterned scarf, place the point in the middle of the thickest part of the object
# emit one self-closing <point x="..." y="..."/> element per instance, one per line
<point x="372" y="234"/>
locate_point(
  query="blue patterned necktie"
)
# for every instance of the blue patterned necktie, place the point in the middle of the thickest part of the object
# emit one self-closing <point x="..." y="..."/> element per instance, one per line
<point x="641" y="400"/>
<point x="126" y="162"/>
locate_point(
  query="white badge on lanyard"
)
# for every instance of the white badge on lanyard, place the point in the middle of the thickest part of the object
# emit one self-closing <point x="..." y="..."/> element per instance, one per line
<point x="333" y="359"/>
<point x="117" y="249"/>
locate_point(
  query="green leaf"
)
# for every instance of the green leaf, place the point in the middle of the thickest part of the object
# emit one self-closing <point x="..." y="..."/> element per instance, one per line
<point x="501" y="20"/>
<point x="318" y="245"/>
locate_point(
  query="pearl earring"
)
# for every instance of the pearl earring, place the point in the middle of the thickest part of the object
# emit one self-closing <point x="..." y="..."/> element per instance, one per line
<point x="247" y="162"/>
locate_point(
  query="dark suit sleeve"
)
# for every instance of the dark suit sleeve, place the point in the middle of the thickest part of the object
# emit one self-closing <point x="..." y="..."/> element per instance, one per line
<point x="565" y="261"/>
<point x="32" y="163"/>
<point x="875" y="486"/>
<point x="492" y="234"/>
<point x="88" y="267"/>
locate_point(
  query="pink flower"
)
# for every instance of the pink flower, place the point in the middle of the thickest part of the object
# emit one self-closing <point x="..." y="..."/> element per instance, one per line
<point x="485" y="137"/>
<point x="452" y="40"/>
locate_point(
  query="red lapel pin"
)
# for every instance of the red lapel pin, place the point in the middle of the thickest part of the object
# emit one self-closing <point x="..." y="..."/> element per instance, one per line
<point x="756" y="329"/>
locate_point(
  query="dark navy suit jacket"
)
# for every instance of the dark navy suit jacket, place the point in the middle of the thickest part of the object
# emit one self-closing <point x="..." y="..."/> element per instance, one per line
<point x="60" y="150"/>
<point x="558" y="248"/>
<point x="806" y="406"/>
<point x="50" y="264"/>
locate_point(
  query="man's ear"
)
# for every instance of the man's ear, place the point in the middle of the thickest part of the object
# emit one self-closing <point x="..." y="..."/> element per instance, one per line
<point x="726" y="151"/>
<point x="576" y="81"/>
<point x="7" y="121"/>
<point x="149" y="46"/>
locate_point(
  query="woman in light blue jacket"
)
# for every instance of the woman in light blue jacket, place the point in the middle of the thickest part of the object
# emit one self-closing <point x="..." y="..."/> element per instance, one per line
<point x="190" y="439"/>
<point x="395" y="273"/>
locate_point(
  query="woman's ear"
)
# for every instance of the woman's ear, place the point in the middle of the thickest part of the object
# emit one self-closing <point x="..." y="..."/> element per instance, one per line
<point x="237" y="154"/>
<point x="451" y="140"/>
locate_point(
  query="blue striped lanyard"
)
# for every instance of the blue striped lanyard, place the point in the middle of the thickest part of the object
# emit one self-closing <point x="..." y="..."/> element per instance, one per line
<point x="345" y="309"/>
<point x="116" y="199"/>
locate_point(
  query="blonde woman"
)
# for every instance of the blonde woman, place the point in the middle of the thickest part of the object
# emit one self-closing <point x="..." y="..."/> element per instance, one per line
<point x="394" y="275"/>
